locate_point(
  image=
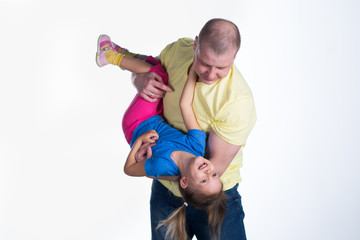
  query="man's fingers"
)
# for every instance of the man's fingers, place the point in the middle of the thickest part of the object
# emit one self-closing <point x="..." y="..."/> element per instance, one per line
<point x="147" y="98"/>
<point x="160" y="86"/>
<point x="152" y="87"/>
<point x="165" y="88"/>
<point x="156" y="89"/>
<point x="156" y="94"/>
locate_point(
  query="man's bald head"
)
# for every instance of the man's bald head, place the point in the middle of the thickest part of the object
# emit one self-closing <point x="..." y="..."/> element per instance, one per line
<point x="220" y="35"/>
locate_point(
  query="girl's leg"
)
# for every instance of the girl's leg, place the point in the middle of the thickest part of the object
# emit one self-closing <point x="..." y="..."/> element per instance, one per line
<point x="123" y="51"/>
<point x="140" y="109"/>
<point x="110" y="53"/>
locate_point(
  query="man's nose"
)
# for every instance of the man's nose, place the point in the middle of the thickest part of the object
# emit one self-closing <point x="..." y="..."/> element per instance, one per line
<point x="212" y="73"/>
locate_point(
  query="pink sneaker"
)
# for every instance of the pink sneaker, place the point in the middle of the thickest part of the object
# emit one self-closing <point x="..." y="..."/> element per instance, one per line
<point x="104" y="43"/>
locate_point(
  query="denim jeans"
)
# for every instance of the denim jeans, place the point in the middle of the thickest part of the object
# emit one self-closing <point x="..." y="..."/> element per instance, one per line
<point x="163" y="203"/>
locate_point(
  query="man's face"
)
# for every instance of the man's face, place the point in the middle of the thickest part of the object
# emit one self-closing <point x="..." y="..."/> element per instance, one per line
<point x="209" y="66"/>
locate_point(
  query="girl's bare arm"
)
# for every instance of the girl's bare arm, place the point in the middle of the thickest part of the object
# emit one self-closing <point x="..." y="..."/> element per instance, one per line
<point x="186" y="100"/>
<point x="133" y="165"/>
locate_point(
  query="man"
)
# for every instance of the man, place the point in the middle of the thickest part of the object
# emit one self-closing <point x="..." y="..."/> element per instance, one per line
<point x="224" y="108"/>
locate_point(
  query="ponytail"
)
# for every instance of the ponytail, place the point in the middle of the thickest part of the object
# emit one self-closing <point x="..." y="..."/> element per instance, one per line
<point x="214" y="205"/>
<point x="216" y="214"/>
<point x="176" y="224"/>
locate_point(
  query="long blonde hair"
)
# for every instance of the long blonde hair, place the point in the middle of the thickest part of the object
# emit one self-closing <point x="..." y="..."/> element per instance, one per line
<point x="215" y="206"/>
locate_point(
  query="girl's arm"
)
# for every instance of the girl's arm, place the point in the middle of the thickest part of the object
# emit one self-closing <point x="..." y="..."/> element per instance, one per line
<point x="134" y="166"/>
<point x="186" y="101"/>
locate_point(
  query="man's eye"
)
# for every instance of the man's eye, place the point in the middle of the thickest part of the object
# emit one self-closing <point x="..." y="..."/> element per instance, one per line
<point x="214" y="175"/>
<point x="203" y="181"/>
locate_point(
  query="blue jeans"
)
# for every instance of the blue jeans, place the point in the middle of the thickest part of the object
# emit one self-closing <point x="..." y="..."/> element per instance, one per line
<point x="163" y="203"/>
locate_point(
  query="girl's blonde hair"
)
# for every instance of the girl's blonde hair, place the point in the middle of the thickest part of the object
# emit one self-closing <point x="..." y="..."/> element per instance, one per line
<point x="215" y="206"/>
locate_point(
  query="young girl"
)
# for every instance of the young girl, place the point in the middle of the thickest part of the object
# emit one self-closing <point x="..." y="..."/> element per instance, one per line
<point x="163" y="152"/>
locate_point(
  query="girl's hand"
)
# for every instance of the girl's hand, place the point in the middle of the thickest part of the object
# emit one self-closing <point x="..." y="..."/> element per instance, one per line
<point x="144" y="152"/>
<point x="149" y="137"/>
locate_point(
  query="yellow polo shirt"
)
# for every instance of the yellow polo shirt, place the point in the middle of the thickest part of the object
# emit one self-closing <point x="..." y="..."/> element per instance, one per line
<point x="226" y="106"/>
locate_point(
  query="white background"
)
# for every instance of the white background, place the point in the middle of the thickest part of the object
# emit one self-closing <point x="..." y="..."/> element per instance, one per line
<point x="61" y="143"/>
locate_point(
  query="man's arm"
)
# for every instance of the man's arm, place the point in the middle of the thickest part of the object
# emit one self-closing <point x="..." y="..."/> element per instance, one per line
<point x="221" y="153"/>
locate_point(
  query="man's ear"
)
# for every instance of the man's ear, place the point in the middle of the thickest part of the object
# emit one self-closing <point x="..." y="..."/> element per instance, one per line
<point x="183" y="182"/>
<point x="196" y="42"/>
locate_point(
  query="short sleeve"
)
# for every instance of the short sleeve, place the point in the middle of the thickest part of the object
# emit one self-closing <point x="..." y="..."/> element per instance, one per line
<point x="197" y="140"/>
<point x="164" y="55"/>
<point x="235" y="120"/>
<point x="156" y="167"/>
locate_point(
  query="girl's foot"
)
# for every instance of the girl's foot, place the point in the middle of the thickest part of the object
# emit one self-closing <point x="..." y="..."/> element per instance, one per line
<point x="105" y="52"/>
<point x="103" y="44"/>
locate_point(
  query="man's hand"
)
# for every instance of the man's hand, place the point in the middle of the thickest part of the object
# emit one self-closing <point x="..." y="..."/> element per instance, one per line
<point x="150" y="86"/>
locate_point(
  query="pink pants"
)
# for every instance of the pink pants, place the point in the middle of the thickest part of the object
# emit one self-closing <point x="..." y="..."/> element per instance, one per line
<point x="140" y="109"/>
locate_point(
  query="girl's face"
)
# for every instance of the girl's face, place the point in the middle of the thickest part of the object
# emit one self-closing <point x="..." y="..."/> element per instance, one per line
<point x="202" y="175"/>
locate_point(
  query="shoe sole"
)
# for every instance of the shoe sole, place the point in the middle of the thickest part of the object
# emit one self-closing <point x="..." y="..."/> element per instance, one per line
<point x="98" y="50"/>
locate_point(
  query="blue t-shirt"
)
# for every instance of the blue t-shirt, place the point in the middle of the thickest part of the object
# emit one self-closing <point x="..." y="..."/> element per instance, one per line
<point x="170" y="139"/>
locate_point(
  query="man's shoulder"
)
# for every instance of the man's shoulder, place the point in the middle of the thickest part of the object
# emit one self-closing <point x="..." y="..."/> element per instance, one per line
<point x="180" y="43"/>
<point x="177" y="53"/>
<point x="185" y="41"/>
<point x="238" y="83"/>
